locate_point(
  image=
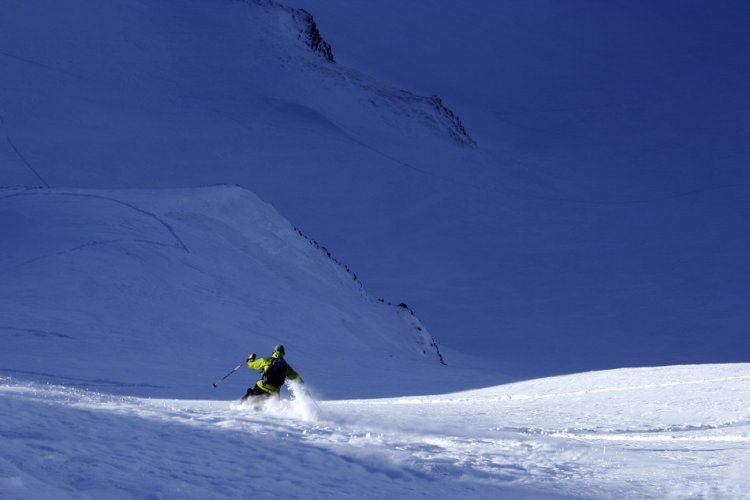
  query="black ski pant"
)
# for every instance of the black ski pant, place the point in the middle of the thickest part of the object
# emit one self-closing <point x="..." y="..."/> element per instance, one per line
<point x="254" y="391"/>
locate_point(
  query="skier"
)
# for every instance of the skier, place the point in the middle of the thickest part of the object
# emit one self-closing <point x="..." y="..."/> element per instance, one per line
<point x="274" y="370"/>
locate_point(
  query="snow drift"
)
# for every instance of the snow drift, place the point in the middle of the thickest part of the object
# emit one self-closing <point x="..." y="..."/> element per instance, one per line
<point x="674" y="432"/>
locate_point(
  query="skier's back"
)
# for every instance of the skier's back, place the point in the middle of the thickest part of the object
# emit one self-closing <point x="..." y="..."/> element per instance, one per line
<point x="274" y="372"/>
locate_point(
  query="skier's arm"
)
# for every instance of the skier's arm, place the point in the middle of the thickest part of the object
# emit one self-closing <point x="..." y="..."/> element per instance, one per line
<point x="257" y="364"/>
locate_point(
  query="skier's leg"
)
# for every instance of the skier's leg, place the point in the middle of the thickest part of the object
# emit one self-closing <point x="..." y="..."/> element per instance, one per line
<point x="247" y="394"/>
<point x="254" y="391"/>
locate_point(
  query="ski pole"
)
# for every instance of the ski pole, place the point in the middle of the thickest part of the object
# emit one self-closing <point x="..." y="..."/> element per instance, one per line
<point x="307" y="392"/>
<point x="228" y="374"/>
<point x="314" y="402"/>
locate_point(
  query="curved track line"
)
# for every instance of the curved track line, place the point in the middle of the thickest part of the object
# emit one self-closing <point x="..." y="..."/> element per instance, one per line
<point x="179" y="243"/>
<point x="21" y="156"/>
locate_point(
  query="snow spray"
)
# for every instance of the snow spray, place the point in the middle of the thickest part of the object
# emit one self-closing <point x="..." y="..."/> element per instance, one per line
<point x="303" y="404"/>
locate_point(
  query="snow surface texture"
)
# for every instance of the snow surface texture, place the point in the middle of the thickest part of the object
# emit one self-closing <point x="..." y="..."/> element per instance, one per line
<point x="604" y="204"/>
<point x="678" y="432"/>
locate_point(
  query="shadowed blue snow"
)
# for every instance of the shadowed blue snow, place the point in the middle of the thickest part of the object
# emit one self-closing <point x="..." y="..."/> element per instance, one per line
<point x="604" y="206"/>
<point x="98" y="285"/>
<point x="600" y="221"/>
<point x="617" y="136"/>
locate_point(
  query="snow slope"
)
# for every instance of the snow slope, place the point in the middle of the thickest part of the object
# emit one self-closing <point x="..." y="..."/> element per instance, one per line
<point x="603" y="205"/>
<point x="677" y="432"/>
<point x="552" y="231"/>
<point x="609" y="207"/>
<point x="161" y="292"/>
<point x="117" y="303"/>
<point x="120" y="308"/>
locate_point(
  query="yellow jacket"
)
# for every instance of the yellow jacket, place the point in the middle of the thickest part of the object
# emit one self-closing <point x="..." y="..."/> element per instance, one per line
<point x="263" y="364"/>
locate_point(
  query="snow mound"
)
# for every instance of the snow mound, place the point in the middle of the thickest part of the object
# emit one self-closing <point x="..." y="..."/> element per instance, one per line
<point x="678" y="432"/>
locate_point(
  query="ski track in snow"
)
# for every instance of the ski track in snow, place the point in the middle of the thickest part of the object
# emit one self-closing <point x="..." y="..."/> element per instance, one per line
<point x="14" y="331"/>
<point x="609" y="442"/>
<point x="178" y="243"/>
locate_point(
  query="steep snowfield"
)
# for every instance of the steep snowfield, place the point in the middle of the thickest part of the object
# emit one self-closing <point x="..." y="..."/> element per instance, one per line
<point x="610" y="203"/>
<point x="169" y="94"/>
<point x="604" y="204"/>
<point x="677" y="432"/>
<point x="161" y="292"/>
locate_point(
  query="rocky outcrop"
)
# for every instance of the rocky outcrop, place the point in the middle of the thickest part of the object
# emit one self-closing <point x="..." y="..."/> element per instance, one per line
<point x="428" y="110"/>
<point x="311" y="35"/>
<point x="303" y="24"/>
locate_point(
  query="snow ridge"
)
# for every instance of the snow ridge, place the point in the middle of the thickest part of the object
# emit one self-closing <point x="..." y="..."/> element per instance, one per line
<point x="213" y="269"/>
<point x="392" y="104"/>
<point x="428" y="110"/>
<point x="424" y="339"/>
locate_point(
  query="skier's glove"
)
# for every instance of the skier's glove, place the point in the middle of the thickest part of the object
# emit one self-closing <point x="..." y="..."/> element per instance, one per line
<point x="251" y="357"/>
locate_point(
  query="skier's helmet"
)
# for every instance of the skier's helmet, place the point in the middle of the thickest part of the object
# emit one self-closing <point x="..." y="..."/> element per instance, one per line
<point x="279" y="348"/>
